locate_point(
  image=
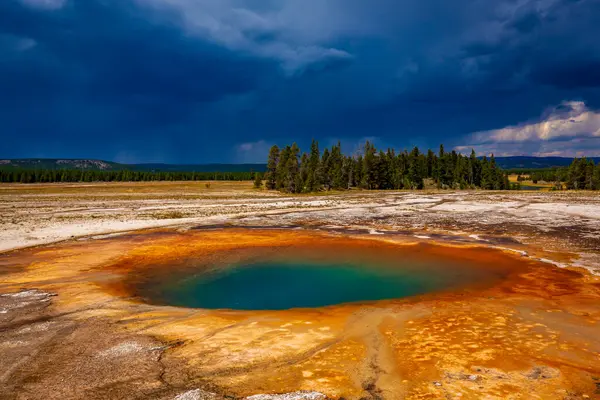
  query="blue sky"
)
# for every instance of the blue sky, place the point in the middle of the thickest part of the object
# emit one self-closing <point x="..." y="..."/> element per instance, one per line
<point x="198" y="81"/>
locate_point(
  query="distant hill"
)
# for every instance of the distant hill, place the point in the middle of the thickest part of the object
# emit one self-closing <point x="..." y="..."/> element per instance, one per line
<point x="50" y="163"/>
<point x="516" y="162"/>
<point x="525" y="162"/>
<point x="101" y="165"/>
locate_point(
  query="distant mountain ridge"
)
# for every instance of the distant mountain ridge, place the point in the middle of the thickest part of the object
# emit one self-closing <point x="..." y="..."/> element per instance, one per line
<point x="513" y="162"/>
<point x="528" y="162"/>
<point x="101" y="165"/>
<point x="51" y="163"/>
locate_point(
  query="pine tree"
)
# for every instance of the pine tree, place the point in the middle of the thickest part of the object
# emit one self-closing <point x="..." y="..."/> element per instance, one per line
<point x="414" y="171"/>
<point x="368" y="167"/>
<point x="430" y="163"/>
<point x="445" y="169"/>
<point x="304" y="174"/>
<point x="313" y="179"/>
<point x="487" y="179"/>
<point x="349" y="171"/>
<point x="325" y="170"/>
<point x="337" y="172"/>
<point x="272" y="163"/>
<point x="282" y="167"/>
<point x="576" y="174"/>
<point x="292" y="170"/>
<point x="358" y="170"/>
<point x="596" y="178"/>
<point x="257" y="180"/>
<point x="403" y="167"/>
<point x="495" y="175"/>
<point x="589" y="175"/>
<point x="395" y="176"/>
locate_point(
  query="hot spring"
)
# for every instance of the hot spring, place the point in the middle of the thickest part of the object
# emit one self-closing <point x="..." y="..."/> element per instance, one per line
<point x="313" y="275"/>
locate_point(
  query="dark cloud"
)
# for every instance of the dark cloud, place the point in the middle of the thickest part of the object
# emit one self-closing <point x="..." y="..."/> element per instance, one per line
<point x="100" y="51"/>
<point x="206" y="81"/>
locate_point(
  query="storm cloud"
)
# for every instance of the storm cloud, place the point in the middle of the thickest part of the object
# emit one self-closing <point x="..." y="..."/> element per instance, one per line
<point x="221" y="80"/>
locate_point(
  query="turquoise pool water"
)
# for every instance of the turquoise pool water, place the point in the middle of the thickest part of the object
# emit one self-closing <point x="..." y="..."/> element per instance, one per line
<point x="286" y="284"/>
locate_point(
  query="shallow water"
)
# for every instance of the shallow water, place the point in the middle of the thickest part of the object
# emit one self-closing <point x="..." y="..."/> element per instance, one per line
<point x="300" y="280"/>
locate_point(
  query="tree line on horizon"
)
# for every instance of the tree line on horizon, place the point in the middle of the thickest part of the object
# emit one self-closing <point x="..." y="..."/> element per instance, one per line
<point x="331" y="170"/>
<point x="582" y="174"/>
<point x="74" y="175"/>
<point x="291" y="172"/>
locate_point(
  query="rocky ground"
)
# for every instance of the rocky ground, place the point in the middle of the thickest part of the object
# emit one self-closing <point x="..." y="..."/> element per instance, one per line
<point x="69" y="330"/>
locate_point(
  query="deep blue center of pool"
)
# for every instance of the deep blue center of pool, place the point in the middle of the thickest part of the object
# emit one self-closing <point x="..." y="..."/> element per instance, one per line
<point x="278" y="285"/>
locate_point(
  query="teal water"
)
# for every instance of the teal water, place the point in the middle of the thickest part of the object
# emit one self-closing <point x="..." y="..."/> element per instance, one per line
<point x="279" y="285"/>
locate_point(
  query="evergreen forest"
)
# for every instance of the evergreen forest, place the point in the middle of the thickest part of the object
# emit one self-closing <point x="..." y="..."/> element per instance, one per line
<point x="291" y="172"/>
<point x="75" y="175"/>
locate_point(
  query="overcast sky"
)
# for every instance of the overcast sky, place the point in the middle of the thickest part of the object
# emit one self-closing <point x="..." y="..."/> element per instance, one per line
<point x="198" y="81"/>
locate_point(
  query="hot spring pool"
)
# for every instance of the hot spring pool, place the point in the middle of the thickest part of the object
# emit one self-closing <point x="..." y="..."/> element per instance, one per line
<point x="311" y="278"/>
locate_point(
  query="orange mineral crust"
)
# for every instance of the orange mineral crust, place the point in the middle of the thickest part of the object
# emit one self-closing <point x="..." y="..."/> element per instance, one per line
<point x="528" y="330"/>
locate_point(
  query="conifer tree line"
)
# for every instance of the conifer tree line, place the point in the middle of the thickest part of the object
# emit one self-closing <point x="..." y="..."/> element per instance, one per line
<point x="291" y="172"/>
<point x="557" y="174"/>
<point x="582" y="174"/>
<point x="73" y="175"/>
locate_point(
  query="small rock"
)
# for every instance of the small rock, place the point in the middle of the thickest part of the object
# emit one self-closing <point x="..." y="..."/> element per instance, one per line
<point x="196" y="394"/>
<point x="300" y="395"/>
<point x="33" y="294"/>
<point x="473" y="377"/>
<point x="122" y="349"/>
<point x="436" y="383"/>
<point x="542" y="373"/>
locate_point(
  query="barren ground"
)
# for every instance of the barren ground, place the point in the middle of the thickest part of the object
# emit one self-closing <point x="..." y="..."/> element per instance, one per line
<point x="535" y="336"/>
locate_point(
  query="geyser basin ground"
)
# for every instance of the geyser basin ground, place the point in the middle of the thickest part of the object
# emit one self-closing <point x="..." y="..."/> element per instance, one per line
<point x="303" y="276"/>
<point x="524" y="330"/>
